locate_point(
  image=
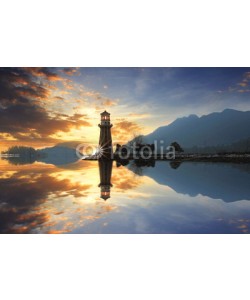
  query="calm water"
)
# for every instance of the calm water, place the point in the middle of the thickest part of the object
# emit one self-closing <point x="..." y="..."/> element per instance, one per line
<point x="189" y="198"/>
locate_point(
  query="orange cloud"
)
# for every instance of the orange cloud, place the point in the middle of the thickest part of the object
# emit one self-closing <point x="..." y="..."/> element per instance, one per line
<point x="45" y="73"/>
<point x="124" y="130"/>
<point x="244" y="84"/>
<point x="97" y="97"/>
<point x="109" y="102"/>
<point x="139" y="116"/>
<point x="24" y="114"/>
<point x="71" y="71"/>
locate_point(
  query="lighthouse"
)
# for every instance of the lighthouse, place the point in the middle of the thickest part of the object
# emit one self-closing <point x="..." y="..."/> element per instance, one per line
<point x="105" y="141"/>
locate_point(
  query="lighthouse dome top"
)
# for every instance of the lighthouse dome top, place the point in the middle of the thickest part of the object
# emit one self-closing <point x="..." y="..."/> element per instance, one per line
<point x="105" y="113"/>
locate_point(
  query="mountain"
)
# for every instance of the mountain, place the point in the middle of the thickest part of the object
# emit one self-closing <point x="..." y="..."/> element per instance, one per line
<point x="215" y="129"/>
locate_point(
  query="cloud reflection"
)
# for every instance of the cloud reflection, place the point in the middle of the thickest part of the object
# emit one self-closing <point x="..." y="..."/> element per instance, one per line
<point x="30" y="198"/>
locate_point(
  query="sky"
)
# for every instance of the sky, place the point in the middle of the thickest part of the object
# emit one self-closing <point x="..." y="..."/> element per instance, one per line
<point x="45" y="106"/>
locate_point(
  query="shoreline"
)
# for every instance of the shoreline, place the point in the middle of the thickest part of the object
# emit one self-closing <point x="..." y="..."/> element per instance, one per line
<point x="230" y="158"/>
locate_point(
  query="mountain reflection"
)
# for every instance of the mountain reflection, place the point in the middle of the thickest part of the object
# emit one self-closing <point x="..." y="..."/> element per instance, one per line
<point x="229" y="182"/>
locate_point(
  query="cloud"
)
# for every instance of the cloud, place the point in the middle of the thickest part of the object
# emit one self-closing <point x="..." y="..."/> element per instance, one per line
<point x="244" y="84"/>
<point x="68" y="84"/>
<point x="71" y="71"/>
<point x="139" y="116"/>
<point x="109" y="102"/>
<point x="45" y="73"/>
<point x="23" y="111"/>
<point x="58" y="98"/>
<point x="124" y="130"/>
<point x="97" y="98"/>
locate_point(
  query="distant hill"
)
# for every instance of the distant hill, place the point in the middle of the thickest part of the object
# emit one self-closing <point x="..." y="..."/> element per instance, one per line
<point x="57" y="155"/>
<point x="212" y="130"/>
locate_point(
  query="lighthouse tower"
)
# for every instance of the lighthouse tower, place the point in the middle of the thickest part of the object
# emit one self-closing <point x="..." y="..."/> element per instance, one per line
<point x="105" y="141"/>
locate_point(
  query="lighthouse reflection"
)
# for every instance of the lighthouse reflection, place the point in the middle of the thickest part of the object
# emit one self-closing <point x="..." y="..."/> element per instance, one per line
<point x="105" y="171"/>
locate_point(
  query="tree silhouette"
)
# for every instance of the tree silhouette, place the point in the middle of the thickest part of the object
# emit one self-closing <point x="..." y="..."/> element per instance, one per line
<point x="20" y="155"/>
<point x="137" y="140"/>
<point x="177" y="147"/>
